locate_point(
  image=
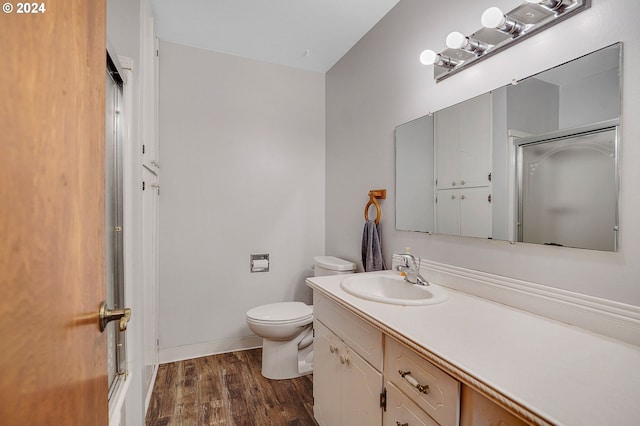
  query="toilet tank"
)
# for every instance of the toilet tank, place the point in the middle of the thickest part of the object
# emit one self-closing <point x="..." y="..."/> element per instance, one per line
<point x="329" y="265"/>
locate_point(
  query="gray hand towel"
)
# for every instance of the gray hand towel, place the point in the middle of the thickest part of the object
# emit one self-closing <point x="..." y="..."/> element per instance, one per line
<point x="371" y="248"/>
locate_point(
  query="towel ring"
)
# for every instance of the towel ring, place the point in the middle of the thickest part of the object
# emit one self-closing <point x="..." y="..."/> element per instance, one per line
<point x="373" y="201"/>
<point x="373" y="194"/>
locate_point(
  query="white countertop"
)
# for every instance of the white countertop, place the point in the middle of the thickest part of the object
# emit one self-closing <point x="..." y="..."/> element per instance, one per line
<point x="564" y="374"/>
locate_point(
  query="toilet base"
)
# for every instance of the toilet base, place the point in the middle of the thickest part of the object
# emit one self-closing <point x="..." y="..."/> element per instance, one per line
<point x="284" y="360"/>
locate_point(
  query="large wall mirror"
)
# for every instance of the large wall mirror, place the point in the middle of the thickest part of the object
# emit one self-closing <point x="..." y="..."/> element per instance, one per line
<point x="534" y="162"/>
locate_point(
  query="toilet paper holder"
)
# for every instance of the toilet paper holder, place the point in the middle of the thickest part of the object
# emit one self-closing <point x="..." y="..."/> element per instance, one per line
<point x="259" y="262"/>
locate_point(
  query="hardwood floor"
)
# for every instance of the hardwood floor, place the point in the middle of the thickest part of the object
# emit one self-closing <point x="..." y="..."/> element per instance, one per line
<point x="228" y="389"/>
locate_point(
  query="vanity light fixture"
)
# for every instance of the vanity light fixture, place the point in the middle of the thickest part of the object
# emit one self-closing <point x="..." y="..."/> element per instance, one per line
<point x="496" y="19"/>
<point x="429" y="57"/>
<point x="553" y="5"/>
<point x="456" y="40"/>
<point x="499" y="31"/>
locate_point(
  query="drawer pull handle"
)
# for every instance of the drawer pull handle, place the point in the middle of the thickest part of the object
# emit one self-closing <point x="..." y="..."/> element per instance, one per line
<point x="401" y="424"/>
<point x="413" y="382"/>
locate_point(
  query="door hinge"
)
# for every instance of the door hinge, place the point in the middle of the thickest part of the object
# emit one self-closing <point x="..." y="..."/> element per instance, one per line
<point x="383" y="399"/>
<point x="489" y="177"/>
<point x="144" y="185"/>
<point x="489" y="198"/>
<point x="143" y="149"/>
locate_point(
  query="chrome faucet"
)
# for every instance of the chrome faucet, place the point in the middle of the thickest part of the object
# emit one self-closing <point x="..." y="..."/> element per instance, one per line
<point x="411" y="269"/>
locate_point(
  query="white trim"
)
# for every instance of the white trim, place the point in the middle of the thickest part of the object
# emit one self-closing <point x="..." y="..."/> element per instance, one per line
<point x="117" y="401"/>
<point x="152" y="383"/>
<point x="179" y="353"/>
<point x="120" y="393"/>
<point x="610" y="318"/>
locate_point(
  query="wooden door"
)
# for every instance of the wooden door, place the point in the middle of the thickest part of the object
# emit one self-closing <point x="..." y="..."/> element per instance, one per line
<point x="52" y="273"/>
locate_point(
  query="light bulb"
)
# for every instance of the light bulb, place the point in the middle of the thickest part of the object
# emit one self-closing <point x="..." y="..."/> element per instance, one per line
<point x="456" y="40"/>
<point x="493" y="18"/>
<point x="428" y="57"/>
<point x="496" y="19"/>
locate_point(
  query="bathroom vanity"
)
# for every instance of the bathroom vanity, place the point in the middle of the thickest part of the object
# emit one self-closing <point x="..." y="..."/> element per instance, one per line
<point x="466" y="361"/>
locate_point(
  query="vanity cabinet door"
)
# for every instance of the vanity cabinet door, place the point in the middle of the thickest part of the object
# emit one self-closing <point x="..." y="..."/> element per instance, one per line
<point x="346" y="388"/>
<point x="402" y="411"/>
<point x="361" y="386"/>
<point x="326" y="376"/>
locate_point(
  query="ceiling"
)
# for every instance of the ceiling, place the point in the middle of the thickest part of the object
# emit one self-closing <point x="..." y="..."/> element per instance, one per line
<point x="306" y="34"/>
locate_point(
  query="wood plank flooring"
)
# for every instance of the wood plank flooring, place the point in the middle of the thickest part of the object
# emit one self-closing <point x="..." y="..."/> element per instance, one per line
<point x="228" y="389"/>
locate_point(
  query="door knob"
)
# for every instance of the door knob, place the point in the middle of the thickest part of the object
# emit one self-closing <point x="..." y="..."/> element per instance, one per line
<point x="108" y="315"/>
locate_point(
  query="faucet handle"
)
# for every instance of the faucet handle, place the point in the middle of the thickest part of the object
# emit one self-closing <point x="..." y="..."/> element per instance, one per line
<point x="407" y="258"/>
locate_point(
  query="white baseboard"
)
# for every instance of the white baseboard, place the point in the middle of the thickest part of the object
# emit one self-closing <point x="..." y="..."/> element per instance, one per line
<point x="606" y="317"/>
<point x="198" y="350"/>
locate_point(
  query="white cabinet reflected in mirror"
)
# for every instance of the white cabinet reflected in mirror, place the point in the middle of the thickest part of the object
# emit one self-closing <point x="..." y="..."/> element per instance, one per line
<point x="467" y="170"/>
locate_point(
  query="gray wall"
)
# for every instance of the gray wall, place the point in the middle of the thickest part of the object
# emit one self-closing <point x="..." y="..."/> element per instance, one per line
<point x="380" y="84"/>
<point x="242" y="148"/>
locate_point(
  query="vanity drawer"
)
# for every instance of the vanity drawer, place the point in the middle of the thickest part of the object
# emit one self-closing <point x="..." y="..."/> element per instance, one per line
<point x="442" y="398"/>
<point x="402" y="411"/>
<point x="363" y="338"/>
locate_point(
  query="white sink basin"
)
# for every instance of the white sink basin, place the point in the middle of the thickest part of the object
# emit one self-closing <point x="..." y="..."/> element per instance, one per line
<point x="393" y="289"/>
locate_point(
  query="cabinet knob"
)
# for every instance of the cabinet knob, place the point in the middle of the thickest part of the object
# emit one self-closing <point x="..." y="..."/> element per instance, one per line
<point x="401" y="424"/>
<point x="462" y="197"/>
<point x="453" y="183"/>
<point x="453" y="197"/>
<point x="332" y="348"/>
<point x="462" y="182"/>
<point x="344" y="359"/>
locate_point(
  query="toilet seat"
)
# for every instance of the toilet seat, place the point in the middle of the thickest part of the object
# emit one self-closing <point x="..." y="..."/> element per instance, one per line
<point x="281" y="313"/>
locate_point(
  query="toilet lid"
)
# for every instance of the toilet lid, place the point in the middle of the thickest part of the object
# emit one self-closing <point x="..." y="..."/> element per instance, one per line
<point x="283" y="312"/>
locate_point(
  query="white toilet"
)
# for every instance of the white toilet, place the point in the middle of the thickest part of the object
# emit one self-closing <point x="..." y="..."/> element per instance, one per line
<point x="286" y="328"/>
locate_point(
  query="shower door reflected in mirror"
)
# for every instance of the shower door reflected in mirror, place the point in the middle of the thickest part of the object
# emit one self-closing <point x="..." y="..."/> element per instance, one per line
<point x="567" y="191"/>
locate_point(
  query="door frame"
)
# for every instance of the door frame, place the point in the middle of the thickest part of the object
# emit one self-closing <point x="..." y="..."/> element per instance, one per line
<point x="120" y="393"/>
